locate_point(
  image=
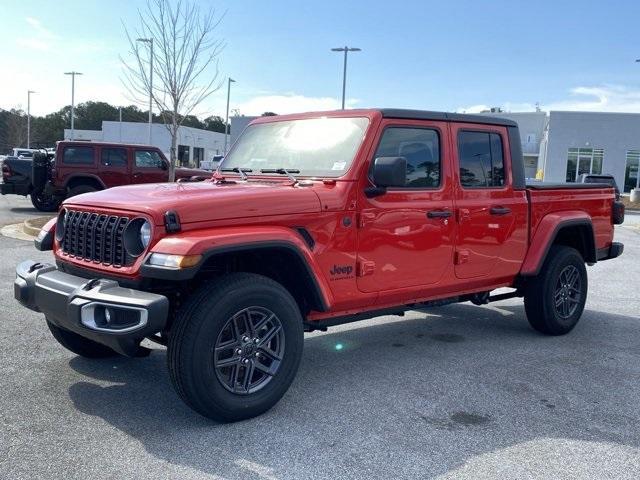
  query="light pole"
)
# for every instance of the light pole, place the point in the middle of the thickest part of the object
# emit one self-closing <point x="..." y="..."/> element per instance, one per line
<point x="346" y="50"/>
<point x="29" y="92"/>
<point x="73" y="99"/>
<point x="150" y="42"/>
<point x="226" y="121"/>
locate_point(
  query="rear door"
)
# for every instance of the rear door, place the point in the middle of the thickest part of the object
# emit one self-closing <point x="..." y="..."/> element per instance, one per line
<point x="148" y="166"/>
<point x="405" y="236"/>
<point x="114" y="166"/>
<point x="491" y="215"/>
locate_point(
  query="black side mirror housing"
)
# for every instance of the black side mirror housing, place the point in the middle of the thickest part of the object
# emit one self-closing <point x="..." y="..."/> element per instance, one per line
<point x="164" y="165"/>
<point x="390" y="171"/>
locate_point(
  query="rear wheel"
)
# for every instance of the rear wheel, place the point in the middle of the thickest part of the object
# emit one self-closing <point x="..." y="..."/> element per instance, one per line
<point x="79" y="345"/>
<point x="554" y="300"/>
<point x="235" y="347"/>
<point x="43" y="202"/>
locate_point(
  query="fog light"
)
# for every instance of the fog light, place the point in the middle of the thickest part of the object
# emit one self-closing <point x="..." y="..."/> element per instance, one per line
<point x="112" y="318"/>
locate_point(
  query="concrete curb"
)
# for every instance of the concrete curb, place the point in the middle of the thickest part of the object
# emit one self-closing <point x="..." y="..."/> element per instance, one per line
<point x="32" y="226"/>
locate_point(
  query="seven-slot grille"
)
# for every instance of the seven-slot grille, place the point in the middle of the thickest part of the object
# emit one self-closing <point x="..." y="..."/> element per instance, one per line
<point x="95" y="237"/>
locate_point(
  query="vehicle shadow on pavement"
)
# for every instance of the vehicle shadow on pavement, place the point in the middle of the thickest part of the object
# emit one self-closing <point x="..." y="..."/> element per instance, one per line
<point x="409" y="398"/>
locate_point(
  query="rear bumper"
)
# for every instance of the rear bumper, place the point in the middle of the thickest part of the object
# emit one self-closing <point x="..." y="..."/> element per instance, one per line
<point x="14" y="189"/>
<point x="97" y="309"/>
<point x="614" y="251"/>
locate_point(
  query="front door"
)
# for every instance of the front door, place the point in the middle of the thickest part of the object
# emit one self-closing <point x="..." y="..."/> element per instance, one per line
<point x="148" y="167"/>
<point x="405" y="236"/>
<point x="491" y="215"/>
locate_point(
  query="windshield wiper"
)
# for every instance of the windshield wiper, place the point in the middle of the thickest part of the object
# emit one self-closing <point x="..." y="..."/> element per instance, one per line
<point x="241" y="171"/>
<point x="283" y="171"/>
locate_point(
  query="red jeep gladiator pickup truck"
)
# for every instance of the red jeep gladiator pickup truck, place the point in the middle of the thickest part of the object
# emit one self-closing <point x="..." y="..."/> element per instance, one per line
<point x="81" y="167"/>
<point x="314" y="220"/>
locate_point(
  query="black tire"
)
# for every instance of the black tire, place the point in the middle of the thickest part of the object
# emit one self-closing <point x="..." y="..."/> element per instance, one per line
<point x="203" y="321"/>
<point x="79" y="345"/>
<point x="554" y="300"/>
<point x="80" y="189"/>
<point x="44" y="203"/>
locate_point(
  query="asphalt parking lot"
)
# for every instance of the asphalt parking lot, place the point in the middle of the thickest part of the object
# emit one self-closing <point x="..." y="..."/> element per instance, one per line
<point x="458" y="392"/>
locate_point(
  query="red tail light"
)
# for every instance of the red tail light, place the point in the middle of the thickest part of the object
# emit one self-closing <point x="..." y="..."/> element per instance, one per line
<point x="6" y="171"/>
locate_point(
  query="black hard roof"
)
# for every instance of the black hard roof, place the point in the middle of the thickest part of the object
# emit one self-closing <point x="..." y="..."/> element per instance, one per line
<point x="445" y="116"/>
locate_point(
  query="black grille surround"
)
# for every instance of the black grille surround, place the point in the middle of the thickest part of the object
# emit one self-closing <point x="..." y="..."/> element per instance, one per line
<point x="95" y="237"/>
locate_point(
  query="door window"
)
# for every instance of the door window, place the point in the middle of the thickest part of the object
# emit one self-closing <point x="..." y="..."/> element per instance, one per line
<point x="420" y="147"/>
<point x="113" y="157"/>
<point x="148" y="159"/>
<point x="481" y="159"/>
<point x="78" y="156"/>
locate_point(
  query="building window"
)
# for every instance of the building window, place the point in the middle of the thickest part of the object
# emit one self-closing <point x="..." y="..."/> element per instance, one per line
<point x="481" y="159"/>
<point x="183" y="155"/>
<point x="583" y="161"/>
<point x="420" y="147"/>
<point x="631" y="179"/>
<point x="198" y="156"/>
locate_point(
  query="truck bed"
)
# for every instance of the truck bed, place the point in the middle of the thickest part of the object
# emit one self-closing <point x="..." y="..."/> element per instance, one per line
<point x="591" y="198"/>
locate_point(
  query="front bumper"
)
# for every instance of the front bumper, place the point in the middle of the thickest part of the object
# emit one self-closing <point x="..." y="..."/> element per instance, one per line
<point x="98" y="309"/>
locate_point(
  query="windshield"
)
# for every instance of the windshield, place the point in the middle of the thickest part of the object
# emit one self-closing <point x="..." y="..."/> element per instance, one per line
<point x="317" y="147"/>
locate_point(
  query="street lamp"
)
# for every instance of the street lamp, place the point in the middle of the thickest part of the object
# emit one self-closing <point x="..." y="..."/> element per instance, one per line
<point x="29" y="92"/>
<point x="226" y="121"/>
<point x="346" y="50"/>
<point x="150" y="42"/>
<point x="73" y="102"/>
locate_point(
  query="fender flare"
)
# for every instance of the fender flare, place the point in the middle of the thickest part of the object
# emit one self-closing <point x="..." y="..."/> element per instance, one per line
<point x="88" y="176"/>
<point x="212" y="242"/>
<point x="546" y="234"/>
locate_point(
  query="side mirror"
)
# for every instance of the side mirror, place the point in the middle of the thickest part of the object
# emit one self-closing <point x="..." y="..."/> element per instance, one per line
<point x="164" y="165"/>
<point x="388" y="172"/>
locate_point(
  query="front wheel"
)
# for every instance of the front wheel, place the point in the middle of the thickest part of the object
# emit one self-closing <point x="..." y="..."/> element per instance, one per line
<point x="554" y="300"/>
<point x="235" y="347"/>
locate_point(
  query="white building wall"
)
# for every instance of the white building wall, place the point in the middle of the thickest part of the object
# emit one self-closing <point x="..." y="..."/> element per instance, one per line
<point x="138" y="133"/>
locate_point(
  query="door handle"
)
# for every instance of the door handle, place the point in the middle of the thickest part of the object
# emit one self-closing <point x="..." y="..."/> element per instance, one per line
<point x="500" y="210"/>
<point x="439" y="214"/>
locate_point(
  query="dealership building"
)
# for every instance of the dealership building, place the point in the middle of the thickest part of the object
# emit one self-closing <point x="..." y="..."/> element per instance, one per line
<point x="196" y="147"/>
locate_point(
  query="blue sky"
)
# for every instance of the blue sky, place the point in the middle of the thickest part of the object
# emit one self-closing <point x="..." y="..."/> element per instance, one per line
<point x="440" y="55"/>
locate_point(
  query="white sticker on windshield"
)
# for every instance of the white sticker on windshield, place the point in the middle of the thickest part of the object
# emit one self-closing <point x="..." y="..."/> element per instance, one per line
<point x="339" y="165"/>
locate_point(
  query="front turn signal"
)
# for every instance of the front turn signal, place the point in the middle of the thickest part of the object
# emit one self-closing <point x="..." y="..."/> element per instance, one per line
<point x="173" y="261"/>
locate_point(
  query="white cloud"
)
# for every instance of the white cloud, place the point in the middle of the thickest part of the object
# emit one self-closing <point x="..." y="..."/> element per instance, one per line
<point x="604" y="98"/>
<point x="289" y="103"/>
<point x="36" y="37"/>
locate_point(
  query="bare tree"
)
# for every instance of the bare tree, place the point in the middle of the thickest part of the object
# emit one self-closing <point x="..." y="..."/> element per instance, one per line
<point x="183" y="50"/>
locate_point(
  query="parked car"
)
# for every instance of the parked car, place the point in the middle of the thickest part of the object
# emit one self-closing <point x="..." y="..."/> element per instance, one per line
<point x="23" y="152"/>
<point x="605" y="179"/>
<point x="314" y="220"/>
<point x="81" y="167"/>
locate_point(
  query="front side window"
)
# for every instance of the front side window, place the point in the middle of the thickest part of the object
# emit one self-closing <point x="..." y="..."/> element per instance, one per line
<point x="481" y="159"/>
<point x="78" y="156"/>
<point x="148" y="159"/>
<point x="113" y="157"/>
<point x="420" y="147"/>
<point x="316" y="147"/>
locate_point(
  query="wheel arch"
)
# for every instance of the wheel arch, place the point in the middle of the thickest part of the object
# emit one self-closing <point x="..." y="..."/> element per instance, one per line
<point x="85" y="179"/>
<point x="573" y="230"/>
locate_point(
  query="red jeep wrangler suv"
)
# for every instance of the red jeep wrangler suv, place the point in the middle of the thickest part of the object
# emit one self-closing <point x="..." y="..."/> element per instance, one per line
<point x="314" y="220"/>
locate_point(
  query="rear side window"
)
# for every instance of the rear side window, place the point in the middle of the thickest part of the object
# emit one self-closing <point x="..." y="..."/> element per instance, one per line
<point x="78" y="156"/>
<point x="481" y="159"/>
<point x="114" y="157"/>
<point x="148" y="159"/>
<point x="421" y="148"/>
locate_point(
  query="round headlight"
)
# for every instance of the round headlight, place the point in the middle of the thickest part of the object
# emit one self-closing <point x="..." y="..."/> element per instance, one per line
<point x="145" y="234"/>
<point x="137" y="236"/>
<point x="60" y="224"/>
